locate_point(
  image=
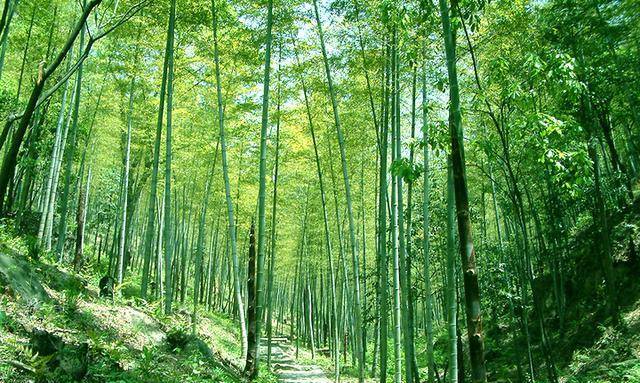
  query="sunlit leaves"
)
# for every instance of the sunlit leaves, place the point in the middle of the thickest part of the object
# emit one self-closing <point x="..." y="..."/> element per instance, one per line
<point x="405" y="169"/>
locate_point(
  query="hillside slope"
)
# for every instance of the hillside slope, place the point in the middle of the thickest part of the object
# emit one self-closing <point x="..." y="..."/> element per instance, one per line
<point x="54" y="327"/>
<point x="615" y="356"/>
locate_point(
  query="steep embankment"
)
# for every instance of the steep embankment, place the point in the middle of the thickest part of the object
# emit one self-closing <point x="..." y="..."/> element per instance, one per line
<point x="613" y="358"/>
<point x="591" y="346"/>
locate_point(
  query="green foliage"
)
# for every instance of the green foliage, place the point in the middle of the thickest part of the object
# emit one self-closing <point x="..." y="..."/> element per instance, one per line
<point x="406" y="169"/>
<point x="37" y="364"/>
<point x="70" y="303"/>
<point x="11" y="238"/>
<point x="537" y="79"/>
<point x="147" y="360"/>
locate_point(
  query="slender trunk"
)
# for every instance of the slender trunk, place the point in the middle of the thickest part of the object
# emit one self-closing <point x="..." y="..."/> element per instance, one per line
<point x="81" y="216"/>
<point x="4" y="29"/>
<point x="403" y="304"/>
<point x="409" y="239"/>
<point x="452" y="319"/>
<point x="151" y="221"/>
<point x="5" y="11"/>
<point x="24" y="53"/>
<point x="58" y="147"/>
<point x="62" y="226"/>
<point x="83" y="197"/>
<point x="621" y="169"/>
<point x="345" y="173"/>
<point x="273" y="221"/>
<point x="269" y="303"/>
<point x="251" y="367"/>
<point x="253" y="364"/>
<point x="168" y="229"/>
<point x="599" y="214"/>
<point x="252" y="315"/>
<point x="426" y="188"/>
<point x="327" y="232"/>
<point x="125" y="187"/>
<point x="383" y="269"/>
<point x="310" y="317"/>
<point x="397" y="310"/>
<point x="227" y="187"/>
<point x="467" y="253"/>
<point x="198" y="289"/>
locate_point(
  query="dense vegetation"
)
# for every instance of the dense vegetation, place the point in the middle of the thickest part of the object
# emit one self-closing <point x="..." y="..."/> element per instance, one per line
<point x="409" y="191"/>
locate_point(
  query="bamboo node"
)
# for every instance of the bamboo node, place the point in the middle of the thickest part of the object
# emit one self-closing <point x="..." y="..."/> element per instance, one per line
<point x="41" y="71"/>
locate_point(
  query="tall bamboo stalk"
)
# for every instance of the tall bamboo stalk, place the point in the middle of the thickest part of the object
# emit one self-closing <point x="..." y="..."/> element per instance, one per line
<point x="357" y="309"/>
<point x="227" y="187"/>
<point x="125" y="186"/>
<point x="327" y="231"/>
<point x="168" y="229"/>
<point x="254" y="344"/>
<point x="467" y="253"/>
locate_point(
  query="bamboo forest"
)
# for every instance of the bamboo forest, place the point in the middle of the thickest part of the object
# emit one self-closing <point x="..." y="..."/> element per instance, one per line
<point x="320" y="191"/>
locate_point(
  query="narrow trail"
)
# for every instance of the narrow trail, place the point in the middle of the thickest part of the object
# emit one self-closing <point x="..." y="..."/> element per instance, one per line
<point x="285" y="366"/>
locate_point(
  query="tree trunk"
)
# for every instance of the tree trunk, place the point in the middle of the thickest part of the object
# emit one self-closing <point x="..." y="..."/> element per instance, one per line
<point x="168" y="229"/>
<point x="227" y="187"/>
<point x="5" y="12"/>
<point x="273" y="221"/>
<point x="151" y="220"/>
<point x="62" y="225"/>
<point x="451" y="299"/>
<point x="4" y="29"/>
<point x="426" y="189"/>
<point x="467" y="253"/>
<point x="125" y="187"/>
<point x="354" y="247"/>
<point x="25" y="52"/>
<point x="383" y="269"/>
<point x="81" y="217"/>
<point x="327" y="232"/>
<point x="252" y="315"/>
<point x="252" y="363"/>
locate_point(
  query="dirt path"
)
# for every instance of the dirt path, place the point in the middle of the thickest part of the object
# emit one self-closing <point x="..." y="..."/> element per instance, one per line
<point x="285" y="366"/>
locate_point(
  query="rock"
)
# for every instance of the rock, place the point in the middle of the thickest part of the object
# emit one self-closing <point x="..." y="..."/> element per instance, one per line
<point x="177" y="339"/>
<point x="72" y="359"/>
<point x="106" y="286"/>
<point x="59" y="279"/>
<point x="19" y="280"/>
<point x="201" y="346"/>
<point x="180" y="340"/>
<point x="44" y="343"/>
